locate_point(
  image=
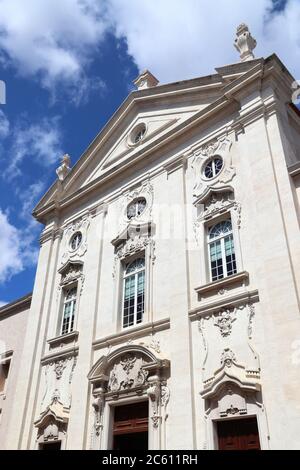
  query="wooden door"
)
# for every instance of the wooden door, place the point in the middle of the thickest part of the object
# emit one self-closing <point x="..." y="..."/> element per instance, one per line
<point x="238" y="434"/>
<point x="130" y="430"/>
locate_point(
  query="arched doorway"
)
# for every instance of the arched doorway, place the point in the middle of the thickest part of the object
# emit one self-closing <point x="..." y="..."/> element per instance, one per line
<point x="130" y="396"/>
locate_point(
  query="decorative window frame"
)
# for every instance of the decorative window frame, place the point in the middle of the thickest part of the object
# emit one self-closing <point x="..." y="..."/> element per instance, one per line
<point x="125" y="264"/>
<point x="130" y="137"/>
<point x="71" y="275"/>
<point x="216" y="206"/>
<point x="135" y="242"/>
<point x="79" y="225"/>
<point x="202" y="185"/>
<point x="5" y="358"/>
<point x="145" y="190"/>
<point x="129" y="374"/>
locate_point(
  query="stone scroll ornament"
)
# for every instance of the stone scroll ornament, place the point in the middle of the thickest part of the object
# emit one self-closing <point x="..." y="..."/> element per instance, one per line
<point x="127" y="373"/>
<point x="219" y="148"/>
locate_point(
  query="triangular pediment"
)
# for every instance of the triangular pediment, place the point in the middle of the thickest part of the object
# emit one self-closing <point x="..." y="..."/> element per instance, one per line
<point x="154" y="125"/>
<point x="115" y="149"/>
<point x="166" y="111"/>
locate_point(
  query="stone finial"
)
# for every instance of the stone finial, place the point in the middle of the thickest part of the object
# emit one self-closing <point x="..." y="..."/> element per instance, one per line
<point x="64" y="168"/>
<point x="245" y="43"/>
<point x="145" y="80"/>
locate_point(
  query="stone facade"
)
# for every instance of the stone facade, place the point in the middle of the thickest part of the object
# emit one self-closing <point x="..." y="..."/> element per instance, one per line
<point x="206" y="350"/>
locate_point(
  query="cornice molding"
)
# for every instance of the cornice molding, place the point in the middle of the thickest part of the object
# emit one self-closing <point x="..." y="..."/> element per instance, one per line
<point x="61" y="354"/>
<point x="16" y="306"/>
<point x="231" y="301"/>
<point x="132" y="333"/>
<point x="239" y="278"/>
<point x="51" y="234"/>
<point x="262" y="70"/>
<point x="175" y="164"/>
<point x="294" y="170"/>
<point x="63" y="339"/>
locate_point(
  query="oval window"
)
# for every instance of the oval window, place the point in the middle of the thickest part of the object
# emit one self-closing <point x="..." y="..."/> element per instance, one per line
<point x="213" y="167"/>
<point x="75" y="241"/>
<point x="136" y="207"/>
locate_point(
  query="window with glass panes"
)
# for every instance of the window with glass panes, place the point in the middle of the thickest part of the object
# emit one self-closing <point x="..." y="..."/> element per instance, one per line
<point x="69" y="310"/>
<point x="136" y="207"/>
<point x="213" y="167"/>
<point x="221" y="250"/>
<point x="134" y="293"/>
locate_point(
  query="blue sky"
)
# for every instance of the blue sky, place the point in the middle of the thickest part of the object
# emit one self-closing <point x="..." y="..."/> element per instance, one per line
<point x="68" y="64"/>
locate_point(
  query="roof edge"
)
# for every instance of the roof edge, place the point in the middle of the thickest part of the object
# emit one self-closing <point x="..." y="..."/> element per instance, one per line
<point x="16" y="305"/>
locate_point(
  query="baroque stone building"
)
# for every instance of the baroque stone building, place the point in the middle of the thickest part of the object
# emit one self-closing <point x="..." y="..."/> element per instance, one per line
<point x="165" y="310"/>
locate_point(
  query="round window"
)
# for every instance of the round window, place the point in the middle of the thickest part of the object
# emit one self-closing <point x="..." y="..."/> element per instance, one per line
<point x="213" y="167"/>
<point x="75" y="241"/>
<point x="136" y="207"/>
<point x="138" y="134"/>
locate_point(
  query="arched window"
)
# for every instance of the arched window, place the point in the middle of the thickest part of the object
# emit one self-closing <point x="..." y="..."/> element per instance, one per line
<point x="70" y="296"/>
<point x="134" y="293"/>
<point x="221" y="250"/>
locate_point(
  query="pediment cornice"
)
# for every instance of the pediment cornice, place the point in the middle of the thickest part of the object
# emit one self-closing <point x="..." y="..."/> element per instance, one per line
<point x="269" y="69"/>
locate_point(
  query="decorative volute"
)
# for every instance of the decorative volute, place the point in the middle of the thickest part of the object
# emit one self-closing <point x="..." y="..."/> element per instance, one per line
<point x="245" y="43"/>
<point x="145" y="80"/>
<point x="64" y="168"/>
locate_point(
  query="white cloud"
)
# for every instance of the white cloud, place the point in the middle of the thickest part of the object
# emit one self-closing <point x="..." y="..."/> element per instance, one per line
<point x="52" y="39"/>
<point x="11" y="259"/>
<point x="40" y="142"/>
<point x="4" y="125"/>
<point x="2" y="303"/>
<point x="18" y="247"/>
<point x="29" y="198"/>
<point x="56" y="40"/>
<point x="181" y="39"/>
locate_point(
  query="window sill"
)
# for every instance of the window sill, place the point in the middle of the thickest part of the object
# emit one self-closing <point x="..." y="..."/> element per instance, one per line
<point x="62" y="340"/>
<point x="221" y="286"/>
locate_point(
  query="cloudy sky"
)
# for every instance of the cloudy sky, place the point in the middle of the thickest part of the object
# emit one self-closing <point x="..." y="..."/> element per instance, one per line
<point x="67" y="66"/>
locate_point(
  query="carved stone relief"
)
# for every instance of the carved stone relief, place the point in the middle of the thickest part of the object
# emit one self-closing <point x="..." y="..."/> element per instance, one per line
<point x="127" y="373"/>
<point x="215" y="204"/>
<point x="220" y="360"/>
<point x="132" y="373"/>
<point x="231" y="401"/>
<point x="134" y="245"/>
<point x="224" y="321"/>
<point x="152" y="344"/>
<point x="58" y="376"/>
<point x="72" y="272"/>
<point x="98" y="408"/>
<point x="220" y="148"/>
<point x="144" y="190"/>
<point x="228" y="357"/>
<point x="82" y="226"/>
<point x="154" y="393"/>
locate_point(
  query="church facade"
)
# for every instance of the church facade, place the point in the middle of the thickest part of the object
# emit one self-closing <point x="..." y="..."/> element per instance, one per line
<point x="165" y="310"/>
